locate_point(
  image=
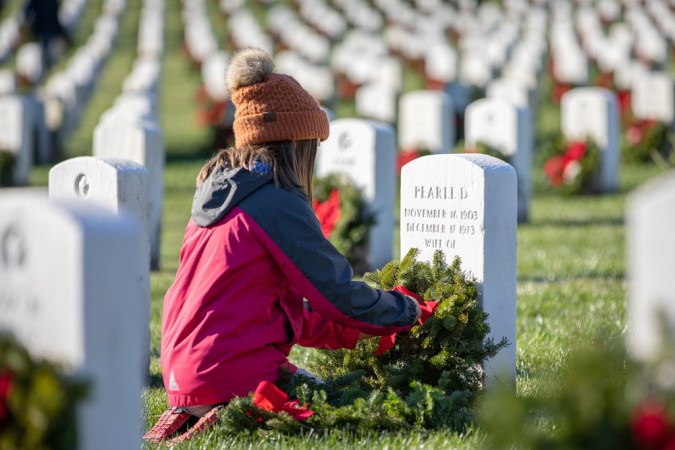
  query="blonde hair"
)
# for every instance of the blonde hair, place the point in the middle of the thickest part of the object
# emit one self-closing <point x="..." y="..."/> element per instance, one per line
<point x="291" y="162"/>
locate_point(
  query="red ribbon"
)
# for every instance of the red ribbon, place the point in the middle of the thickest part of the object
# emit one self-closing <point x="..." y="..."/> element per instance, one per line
<point x="427" y="308"/>
<point x="6" y="379"/>
<point x="328" y="212"/>
<point x="404" y="157"/>
<point x="555" y="167"/>
<point x="269" y="397"/>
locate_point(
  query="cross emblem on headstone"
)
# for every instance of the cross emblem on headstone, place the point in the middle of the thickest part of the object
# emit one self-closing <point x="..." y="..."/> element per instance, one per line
<point x="344" y="141"/>
<point x="82" y="185"/>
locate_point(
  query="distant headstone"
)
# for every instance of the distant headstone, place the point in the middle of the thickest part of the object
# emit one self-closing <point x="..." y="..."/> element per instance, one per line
<point x="16" y="137"/>
<point x="507" y="128"/>
<point x="652" y="96"/>
<point x="376" y="101"/>
<point x="7" y="82"/>
<point x="440" y="63"/>
<point x="426" y="121"/>
<point x="650" y="220"/>
<point x="69" y="293"/>
<point x="143" y="143"/>
<point x="594" y="113"/>
<point x="466" y="206"/>
<point x="365" y="151"/>
<point x="511" y="90"/>
<point x="30" y="62"/>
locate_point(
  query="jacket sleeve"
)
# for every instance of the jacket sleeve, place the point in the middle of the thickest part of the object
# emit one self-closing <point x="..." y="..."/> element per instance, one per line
<point x="318" y="332"/>
<point x="315" y="268"/>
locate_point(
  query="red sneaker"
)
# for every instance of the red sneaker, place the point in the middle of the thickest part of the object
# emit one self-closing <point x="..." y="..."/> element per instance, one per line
<point x="168" y="423"/>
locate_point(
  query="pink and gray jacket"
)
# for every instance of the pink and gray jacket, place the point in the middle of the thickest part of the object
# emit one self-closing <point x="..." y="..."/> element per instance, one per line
<point x="257" y="276"/>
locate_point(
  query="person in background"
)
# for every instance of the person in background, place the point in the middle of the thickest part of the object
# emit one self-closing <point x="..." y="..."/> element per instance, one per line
<point x="256" y="274"/>
<point x="42" y="18"/>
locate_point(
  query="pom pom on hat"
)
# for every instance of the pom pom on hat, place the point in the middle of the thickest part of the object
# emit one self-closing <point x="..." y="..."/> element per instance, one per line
<point x="270" y="106"/>
<point x="248" y="66"/>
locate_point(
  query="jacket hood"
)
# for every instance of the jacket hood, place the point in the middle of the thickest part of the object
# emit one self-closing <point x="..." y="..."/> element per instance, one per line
<point x="223" y="190"/>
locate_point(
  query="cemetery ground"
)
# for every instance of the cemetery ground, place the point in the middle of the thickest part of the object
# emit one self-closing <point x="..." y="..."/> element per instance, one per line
<point x="571" y="255"/>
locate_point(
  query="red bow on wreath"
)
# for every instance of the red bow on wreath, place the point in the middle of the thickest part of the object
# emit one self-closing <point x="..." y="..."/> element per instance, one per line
<point x="652" y="428"/>
<point x="405" y="157"/>
<point x="5" y="388"/>
<point x="559" y="168"/>
<point x="328" y="212"/>
<point x="428" y="308"/>
<point x="269" y="397"/>
<point x="637" y="131"/>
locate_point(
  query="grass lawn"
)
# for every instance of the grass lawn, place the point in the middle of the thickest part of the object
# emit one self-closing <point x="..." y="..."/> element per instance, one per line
<point x="571" y="254"/>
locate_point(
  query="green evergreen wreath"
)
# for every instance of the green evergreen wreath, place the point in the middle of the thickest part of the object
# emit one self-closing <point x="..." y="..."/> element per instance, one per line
<point x="350" y="233"/>
<point x="558" y="152"/>
<point x="37" y="402"/>
<point x="430" y="379"/>
<point x="647" y="141"/>
<point x="487" y="149"/>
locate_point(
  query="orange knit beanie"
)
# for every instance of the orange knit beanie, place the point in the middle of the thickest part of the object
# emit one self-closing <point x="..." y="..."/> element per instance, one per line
<point x="270" y="106"/>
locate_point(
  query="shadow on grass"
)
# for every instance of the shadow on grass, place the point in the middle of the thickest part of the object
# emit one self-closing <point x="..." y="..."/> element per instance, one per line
<point x="155" y="380"/>
<point x="574" y="223"/>
<point x="571" y="277"/>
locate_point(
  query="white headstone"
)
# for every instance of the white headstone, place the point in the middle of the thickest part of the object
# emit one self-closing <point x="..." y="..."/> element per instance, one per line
<point x="29" y="61"/>
<point x="15" y="135"/>
<point x="7" y="82"/>
<point x="69" y="293"/>
<point x="650" y="220"/>
<point x="652" y="97"/>
<point x="365" y="151"/>
<point x="115" y="184"/>
<point x="510" y="90"/>
<point x="593" y="113"/>
<point x="118" y="185"/>
<point x="426" y="121"/>
<point x="376" y="101"/>
<point x="143" y="143"/>
<point x="508" y="128"/>
<point x="465" y="205"/>
<point x="440" y="63"/>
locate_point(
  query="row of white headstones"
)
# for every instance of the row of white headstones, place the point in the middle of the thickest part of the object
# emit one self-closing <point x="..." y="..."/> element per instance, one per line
<point x="74" y="268"/>
<point x="362" y="148"/>
<point x="103" y="213"/>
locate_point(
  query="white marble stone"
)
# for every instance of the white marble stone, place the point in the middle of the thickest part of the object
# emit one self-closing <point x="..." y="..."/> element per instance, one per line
<point x="465" y="205"/>
<point x="426" y="121"/>
<point x="376" y="101"/>
<point x="650" y="220"/>
<point x="29" y="62"/>
<point x="365" y="151"/>
<point x="510" y="90"/>
<point x="16" y="122"/>
<point x="593" y="113"/>
<point x="69" y="293"/>
<point x="507" y="128"/>
<point x="142" y="142"/>
<point x="652" y="97"/>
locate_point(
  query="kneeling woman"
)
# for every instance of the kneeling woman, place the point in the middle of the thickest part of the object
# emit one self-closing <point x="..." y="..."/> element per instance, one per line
<point x="256" y="273"/>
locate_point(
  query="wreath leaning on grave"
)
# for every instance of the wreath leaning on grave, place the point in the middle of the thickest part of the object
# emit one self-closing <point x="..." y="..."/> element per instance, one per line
<point x="343" y="215"/>
<point x="37" y="402"/>
<point x="426" y="378"/>
<point x="487" y="149"/>
<point x="571" y="166"/>
<point x="647" y="140"/>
